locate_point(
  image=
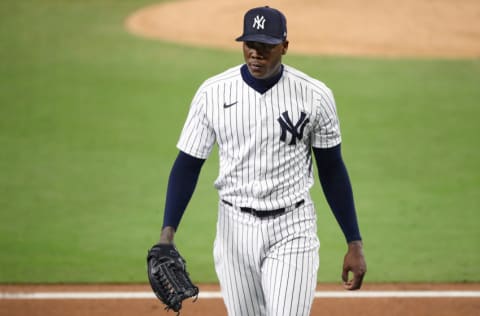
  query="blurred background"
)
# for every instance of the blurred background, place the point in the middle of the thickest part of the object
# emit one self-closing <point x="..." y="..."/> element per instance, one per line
<point x="90" y="114"/>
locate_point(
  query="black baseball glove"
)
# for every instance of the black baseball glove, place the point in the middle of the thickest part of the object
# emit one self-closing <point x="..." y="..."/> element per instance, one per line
<point x="168" y="276"/>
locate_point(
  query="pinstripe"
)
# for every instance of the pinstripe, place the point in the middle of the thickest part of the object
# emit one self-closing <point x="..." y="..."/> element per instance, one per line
<point x="253" y="256"/>
<point x="301" y="280"/>
<point x="278" y="235"/>
<point x="247" y="284"/>
<point x="266" y="267"/>
<point x="289" y="271"/>
<point x="290" y="266"/>
<point x="252" y="181"/>
<point x="240" y="269"/>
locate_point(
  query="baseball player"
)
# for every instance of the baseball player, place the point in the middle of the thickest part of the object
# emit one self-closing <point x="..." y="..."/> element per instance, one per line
<point x="267" y="119"/>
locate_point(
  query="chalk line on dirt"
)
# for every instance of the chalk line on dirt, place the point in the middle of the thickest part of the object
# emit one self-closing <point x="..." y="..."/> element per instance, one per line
<point x="217" y="295"/>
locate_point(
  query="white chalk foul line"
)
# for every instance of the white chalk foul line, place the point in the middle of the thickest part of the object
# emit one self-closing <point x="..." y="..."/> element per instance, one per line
<point x="399" y="294"/>
<point x="217" y="295"/>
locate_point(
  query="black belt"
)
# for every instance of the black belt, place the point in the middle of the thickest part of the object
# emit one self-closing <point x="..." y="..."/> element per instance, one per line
<point x="264" y="213"/>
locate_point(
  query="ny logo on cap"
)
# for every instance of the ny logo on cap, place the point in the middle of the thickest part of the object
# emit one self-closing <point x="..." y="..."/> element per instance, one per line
<point x="259" y="22"/>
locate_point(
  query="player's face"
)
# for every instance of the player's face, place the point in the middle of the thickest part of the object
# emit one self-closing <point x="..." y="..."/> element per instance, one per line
<point x="264" y="60"/>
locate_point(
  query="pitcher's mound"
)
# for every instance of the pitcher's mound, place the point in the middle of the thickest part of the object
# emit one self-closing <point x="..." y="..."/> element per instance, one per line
<point x="440" y="28"/>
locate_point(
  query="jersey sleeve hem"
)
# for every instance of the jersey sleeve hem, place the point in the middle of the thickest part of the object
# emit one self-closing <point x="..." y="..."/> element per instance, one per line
<point x="193" y="153"/>
<point x="327" y="144"/>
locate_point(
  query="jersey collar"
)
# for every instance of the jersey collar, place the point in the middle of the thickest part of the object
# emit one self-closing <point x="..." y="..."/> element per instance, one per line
<point x="260" y="85"/>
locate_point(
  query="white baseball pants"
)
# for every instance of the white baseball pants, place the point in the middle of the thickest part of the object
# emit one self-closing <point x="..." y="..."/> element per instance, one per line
<point x="267" y="266"/>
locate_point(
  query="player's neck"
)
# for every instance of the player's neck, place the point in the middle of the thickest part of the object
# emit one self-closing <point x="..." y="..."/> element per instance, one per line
<point x="260" y="85"/>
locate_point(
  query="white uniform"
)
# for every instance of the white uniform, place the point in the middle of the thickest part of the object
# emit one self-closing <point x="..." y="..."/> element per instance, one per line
<point x="266" y="266"/>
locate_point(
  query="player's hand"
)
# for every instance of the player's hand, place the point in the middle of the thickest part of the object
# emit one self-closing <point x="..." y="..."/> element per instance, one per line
<point x="354" y="262"/>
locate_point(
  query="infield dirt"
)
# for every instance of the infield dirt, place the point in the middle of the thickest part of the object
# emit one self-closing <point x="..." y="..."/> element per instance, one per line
<point x="408" y="28"/>
<point x="214" y="307"/>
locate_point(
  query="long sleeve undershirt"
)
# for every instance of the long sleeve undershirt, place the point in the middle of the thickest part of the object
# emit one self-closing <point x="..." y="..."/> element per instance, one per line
<point x="181" y="184"/>
<point x="337" y="189"/>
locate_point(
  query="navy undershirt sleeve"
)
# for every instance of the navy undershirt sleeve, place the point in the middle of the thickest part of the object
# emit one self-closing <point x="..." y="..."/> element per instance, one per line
<point x="181" y="184"/>
<point x="337" y="189"/>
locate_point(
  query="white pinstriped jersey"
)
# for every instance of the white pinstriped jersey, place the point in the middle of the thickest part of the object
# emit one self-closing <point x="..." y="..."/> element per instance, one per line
<point x="264" y="140"/>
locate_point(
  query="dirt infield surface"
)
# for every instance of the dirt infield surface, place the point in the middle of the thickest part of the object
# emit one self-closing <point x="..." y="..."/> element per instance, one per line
<point x="412" y="28"/>
<point x="426" y="299"/>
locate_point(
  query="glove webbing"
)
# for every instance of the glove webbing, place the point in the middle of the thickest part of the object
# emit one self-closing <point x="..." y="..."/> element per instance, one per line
<point x="176" y="284"/>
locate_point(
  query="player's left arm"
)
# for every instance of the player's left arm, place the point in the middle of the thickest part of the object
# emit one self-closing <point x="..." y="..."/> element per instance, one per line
<point x="338" y="192"/>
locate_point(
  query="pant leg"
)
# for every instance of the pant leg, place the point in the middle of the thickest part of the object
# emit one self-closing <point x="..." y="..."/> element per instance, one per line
<point x="289" y="271"/>
<point x="237" y="262"/>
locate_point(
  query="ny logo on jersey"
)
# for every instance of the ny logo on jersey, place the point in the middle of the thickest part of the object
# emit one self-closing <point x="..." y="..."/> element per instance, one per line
<point x="296" y="130"/>
<point x="259" y="22"/>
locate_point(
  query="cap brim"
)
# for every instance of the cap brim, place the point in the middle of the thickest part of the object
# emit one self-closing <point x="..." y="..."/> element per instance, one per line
<point x="261" y="38"/>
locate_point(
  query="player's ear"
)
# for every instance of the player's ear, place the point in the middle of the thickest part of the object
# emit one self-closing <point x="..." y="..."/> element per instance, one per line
<point x="285" y="47"/>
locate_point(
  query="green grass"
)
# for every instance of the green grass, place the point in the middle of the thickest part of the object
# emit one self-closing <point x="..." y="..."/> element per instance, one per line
<point x="89" y="119"/>
<point x="410" y="137"/>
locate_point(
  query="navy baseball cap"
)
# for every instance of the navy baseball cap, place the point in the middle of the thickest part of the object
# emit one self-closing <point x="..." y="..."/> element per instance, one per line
<point x="265" y="25"/>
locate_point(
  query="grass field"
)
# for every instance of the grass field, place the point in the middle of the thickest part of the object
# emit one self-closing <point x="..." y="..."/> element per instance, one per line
<point x="89" y="119"/>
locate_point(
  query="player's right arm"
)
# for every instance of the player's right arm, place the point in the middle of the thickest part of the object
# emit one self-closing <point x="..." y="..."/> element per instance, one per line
<point x="195" y="144"/>
<point x="181" y="185"/>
